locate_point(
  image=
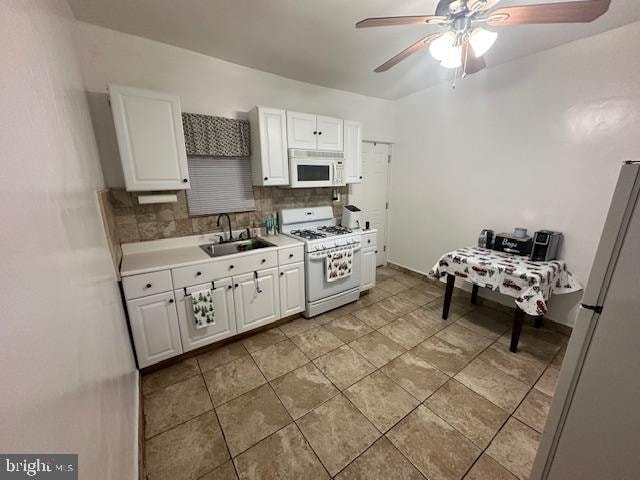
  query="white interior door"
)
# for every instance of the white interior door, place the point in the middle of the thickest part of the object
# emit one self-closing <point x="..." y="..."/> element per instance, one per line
<point x="371" y="195"/>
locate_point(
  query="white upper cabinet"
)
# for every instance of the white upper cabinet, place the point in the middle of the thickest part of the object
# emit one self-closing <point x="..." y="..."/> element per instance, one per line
<point x="269" y="160"/>
<point x="150" y="139"/>
<point x="330" y="134"/>
<point x="314" y="132"/>
<point x="353" y="152"/>
<point x="302" y="131"/>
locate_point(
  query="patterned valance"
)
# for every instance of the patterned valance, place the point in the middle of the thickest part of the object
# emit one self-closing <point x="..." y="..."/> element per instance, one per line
<point x="215" y="136"/>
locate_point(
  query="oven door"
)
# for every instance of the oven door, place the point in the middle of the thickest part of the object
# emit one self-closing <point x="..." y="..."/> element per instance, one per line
<point x="317" y="285"/>
<point x="307" y="172"/>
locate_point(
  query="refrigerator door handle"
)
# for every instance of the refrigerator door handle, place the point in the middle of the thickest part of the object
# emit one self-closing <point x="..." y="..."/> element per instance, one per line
<point x="595" y="308"/>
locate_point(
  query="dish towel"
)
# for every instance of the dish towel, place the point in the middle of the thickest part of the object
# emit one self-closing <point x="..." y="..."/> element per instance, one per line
<point x="202" y="305"/>
<point x="338" y="263"/>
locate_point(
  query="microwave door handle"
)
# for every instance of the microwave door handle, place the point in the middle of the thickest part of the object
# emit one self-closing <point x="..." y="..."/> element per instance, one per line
<point x="335" y="173"/>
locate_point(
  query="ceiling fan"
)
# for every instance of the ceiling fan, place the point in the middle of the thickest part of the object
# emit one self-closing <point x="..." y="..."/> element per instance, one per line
<point x="464" y="41"/>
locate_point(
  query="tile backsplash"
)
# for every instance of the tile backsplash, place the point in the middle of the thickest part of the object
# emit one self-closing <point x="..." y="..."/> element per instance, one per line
<point x="134" y="222"/>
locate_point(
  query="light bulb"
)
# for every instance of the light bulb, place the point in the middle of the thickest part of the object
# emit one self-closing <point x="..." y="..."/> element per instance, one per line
<point x="441" y="46"/>
<point x="453" y="58"/>
<point x="482" y="40"/>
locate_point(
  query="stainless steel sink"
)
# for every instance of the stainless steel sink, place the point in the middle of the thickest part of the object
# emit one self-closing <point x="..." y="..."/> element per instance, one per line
<point x="222" y="249"/>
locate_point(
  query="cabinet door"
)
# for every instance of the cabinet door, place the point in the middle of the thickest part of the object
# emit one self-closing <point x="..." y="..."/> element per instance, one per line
<point x="353" y="152"/>
<point x="224" y="312"/>
<point x="273" y="168"/>
<point x="302" y="131"/>
<point x="154" y="326"/>
<point x="150" y="139"/>
<point x="330" y="134"/>
<point x="292" y="298"/>
<point x="257" y="299"/>
<point x="368" y="268"/>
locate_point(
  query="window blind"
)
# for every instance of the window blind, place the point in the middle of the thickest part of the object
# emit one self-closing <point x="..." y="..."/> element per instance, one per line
<point x="220" y="185"/>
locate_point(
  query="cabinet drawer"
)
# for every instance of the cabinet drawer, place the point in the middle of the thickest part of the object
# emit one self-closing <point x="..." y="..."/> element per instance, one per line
<point x="145" y="284"/>
<point x="368" y="239"/>
<point x="208" y="272"/>
<point x="290" y="255"/>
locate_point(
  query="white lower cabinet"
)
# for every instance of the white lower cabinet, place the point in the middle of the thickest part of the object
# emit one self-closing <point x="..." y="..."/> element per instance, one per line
<point x="154" y="326"/>
<point x="257" y="299"/>
<point x="224" y="315"/>
<point x="292" y="296"/>
<point x="369" y="256"/>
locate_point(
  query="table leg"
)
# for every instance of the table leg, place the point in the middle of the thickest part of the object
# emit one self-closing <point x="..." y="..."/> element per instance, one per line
<point x="448" y="293"/>
<point x="474" y="294"/>
<point x="538" y="321"/>
<point x="518" y="320"/>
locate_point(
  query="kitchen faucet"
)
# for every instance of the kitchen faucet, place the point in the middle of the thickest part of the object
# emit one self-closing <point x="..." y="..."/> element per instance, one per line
<point x="229" y="220"/>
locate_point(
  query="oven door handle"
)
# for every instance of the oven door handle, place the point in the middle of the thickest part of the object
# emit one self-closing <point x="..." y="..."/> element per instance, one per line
<point x="315" y="258"/>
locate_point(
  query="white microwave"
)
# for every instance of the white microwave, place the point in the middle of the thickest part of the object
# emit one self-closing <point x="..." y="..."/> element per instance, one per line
<point x="313" y="168"/>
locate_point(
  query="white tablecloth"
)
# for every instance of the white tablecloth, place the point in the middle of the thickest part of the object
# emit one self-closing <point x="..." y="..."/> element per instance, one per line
<point x="531" y="283"/>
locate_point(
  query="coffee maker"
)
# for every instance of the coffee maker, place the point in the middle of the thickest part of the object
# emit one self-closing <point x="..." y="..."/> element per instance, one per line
<point x="351" y="217"/>
<point x="485" y="240"/>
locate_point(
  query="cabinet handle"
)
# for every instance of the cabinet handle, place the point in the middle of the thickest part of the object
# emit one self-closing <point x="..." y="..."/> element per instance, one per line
<point x="185" y="180"/>
<point x="291" y="255"/>
<point x="198" y="274"/>
<point x="148" y="285"/>
<point x="171" y="300"/>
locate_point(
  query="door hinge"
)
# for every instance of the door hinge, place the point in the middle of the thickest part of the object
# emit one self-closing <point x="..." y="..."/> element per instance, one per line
<point x="388" y="158"/>
<point x="386" y="206"/>
<point x="384" y="249"/>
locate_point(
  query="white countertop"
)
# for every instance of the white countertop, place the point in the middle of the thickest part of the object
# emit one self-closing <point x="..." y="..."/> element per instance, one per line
<point x="154" y="255"/>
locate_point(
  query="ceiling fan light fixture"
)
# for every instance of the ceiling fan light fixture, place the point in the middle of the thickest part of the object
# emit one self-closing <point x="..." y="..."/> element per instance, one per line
<point x="453" y="58"/>
<point x="441" y="47"/>
<point x="482" y="40"/>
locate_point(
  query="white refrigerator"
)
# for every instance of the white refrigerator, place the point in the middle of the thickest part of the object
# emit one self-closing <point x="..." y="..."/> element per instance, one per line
<point x="593" y="427"/>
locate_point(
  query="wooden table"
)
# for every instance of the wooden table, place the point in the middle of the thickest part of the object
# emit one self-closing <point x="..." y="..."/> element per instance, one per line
<point x="530" y="283"/>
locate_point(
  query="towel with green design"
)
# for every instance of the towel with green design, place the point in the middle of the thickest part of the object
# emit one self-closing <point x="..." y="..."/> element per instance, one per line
<point x="203" y="310"/>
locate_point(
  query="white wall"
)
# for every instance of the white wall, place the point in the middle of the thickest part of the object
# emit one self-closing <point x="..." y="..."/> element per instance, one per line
<point x="536" y="143"/>
<point x="205" y="85"/>
<point x="68" y="380"/>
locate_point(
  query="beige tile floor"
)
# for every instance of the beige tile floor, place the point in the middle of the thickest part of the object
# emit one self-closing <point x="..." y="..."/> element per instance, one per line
<point x="382" y="388"/>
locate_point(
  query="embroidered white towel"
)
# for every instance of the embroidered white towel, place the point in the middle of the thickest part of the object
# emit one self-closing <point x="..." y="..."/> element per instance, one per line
<point x="338" y="263"/>
<point x="203" y="309"/>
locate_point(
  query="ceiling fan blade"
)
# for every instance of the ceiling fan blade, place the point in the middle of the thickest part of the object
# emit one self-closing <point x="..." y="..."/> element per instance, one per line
<point x="391" y="21"/>
<point x="566" y="12"/>
<point x="481" y="5"/>
<point x="470" y="63"/>
<point x="416" y="47"/>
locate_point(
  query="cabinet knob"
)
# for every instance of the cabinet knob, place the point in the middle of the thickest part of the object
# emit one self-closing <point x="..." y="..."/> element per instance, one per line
<point x="229" y="287"/>
<point x="236" y="285"/>
<point x="291" y="255"/>
<point x="171" y="300"/>
<point x="185" y="180"/>
<point x="319" y="133"/>
<point x="369" y="241"/>
<point x="360" y="177"/>
<point x="149" y="285"/>
<point x="266" y="178"/>
<point x="198" y="274"/>
<point x="230" y="267"/>
<point x="281" y="274"/>
<point x="263" y="260"/>
<point x="315" y="133"/>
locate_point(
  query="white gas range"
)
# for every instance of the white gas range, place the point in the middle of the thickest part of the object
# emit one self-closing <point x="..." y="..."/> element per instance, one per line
<point x="318" y="229"/>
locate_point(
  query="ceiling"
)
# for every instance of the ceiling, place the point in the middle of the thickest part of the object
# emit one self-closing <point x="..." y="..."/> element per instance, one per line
<point x="315" y="40"/>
